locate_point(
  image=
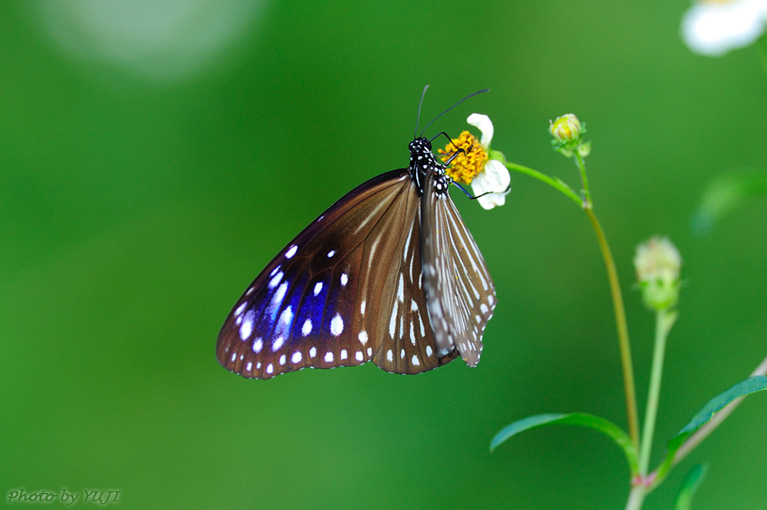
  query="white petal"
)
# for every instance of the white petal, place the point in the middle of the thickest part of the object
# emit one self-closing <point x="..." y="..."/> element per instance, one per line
<point x="485" y="126"/>
<point x="715" y="28"/>
<point x="494" y="178"/>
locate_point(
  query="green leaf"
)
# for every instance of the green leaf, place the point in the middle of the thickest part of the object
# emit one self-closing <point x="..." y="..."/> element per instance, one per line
<point x="580" y="419"/>
<point x="727" y="193"/>
<point x="716" y="404"/>
<point x="690" y="485"/>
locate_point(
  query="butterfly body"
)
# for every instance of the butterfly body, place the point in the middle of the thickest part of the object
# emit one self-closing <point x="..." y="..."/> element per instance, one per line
<point x="389" y="273"/>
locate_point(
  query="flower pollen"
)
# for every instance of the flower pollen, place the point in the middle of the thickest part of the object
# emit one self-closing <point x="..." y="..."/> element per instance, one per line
<point x="467" y="164"/>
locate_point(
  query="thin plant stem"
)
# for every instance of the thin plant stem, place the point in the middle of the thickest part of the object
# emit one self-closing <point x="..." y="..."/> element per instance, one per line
<point x="623" y="332"/>
<point x="581" y="164"/>
<point x="554" y="183"/>
<point x="636" y="497"/>
<point x="664" y="320"/>
<point x="620" y="311"/>
<point x="612" y="276"/>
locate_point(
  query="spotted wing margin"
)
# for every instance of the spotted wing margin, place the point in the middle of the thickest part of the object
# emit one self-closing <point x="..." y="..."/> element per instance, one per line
<point x="459" y="291"/>
<point x="304" y="309"/>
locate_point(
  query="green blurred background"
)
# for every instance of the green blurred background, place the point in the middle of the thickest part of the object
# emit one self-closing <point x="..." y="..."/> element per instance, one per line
<point x="154" y="156"/>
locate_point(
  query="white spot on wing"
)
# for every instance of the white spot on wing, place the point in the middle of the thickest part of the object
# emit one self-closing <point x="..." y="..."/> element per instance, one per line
<point x="258" y="345"/>
<point x="286" y="317"/>
<point x="336" y="325"/>
<point x="246" y="328"/>
<point x="278" y="342"/>
<point x="415" y="361"/>
<point x="363" y="336"/>
<point x="344" y="279"/>
<point x="389" y="355"/>
<point x="317" y="288"/>
<point x="283" y="359"/>
<point x="292" y="251"/>
<point x="428" y="350"/>
<point x="269" y="368"/>
<point x="393" y="321"/>
<point x="358" y="356"/>
<point x="275" y="280"/>
<point x="296" y="357"/>
<point x="331" y="253"/>
<point x="328" y="357"/>
<point x="344" y="354"/>
<point x="280" y="294"/>
<point x="307" y="327"/>
<point x="313" y="352"/>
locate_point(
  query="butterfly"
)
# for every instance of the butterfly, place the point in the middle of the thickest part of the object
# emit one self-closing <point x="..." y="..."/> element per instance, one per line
<point x="389" y="273"/>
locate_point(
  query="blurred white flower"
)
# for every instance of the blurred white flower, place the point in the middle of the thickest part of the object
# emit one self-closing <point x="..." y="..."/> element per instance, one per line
<point x="163" y="42"/>
<point x="713" y="28"/>
<point x="657" y="263"/>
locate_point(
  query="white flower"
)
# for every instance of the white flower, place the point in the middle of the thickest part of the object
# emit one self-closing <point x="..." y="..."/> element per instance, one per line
<point x="494" y="179"/>
<point x="715" y="27"/>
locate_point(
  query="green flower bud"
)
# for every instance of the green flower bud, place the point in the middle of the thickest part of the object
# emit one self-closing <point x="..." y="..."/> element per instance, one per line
<point x="657" y="263"/>
<point x="566" y="129"/>
<point x="568" y="132"/>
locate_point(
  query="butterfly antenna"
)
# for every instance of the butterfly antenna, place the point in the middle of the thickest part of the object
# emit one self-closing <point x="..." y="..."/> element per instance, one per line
<point x="418" y="118"/>
<point x="474" y="197"/>
<point x="443" y="113"/>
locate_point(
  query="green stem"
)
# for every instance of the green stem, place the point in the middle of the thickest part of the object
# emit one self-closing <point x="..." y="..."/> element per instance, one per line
<point x="581" y="164"/>
<point x="664" y="320"/>
<point x="623" y="333"/>
<point x="636" y="497"/>
<point x="612" y="276"/>
<point x="619" y="309"/>
<point x="554" y="183"/>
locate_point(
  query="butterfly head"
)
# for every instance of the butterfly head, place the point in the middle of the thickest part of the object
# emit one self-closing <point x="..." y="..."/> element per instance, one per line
<point x="422" y="161"/>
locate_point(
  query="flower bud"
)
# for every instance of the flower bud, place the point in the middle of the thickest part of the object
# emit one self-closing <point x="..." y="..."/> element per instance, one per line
<point x="657" y="263"/>
<point x="566" y="129"/>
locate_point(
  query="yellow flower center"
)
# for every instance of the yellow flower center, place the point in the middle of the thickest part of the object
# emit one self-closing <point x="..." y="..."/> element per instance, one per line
<point x="469" y="162"/>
